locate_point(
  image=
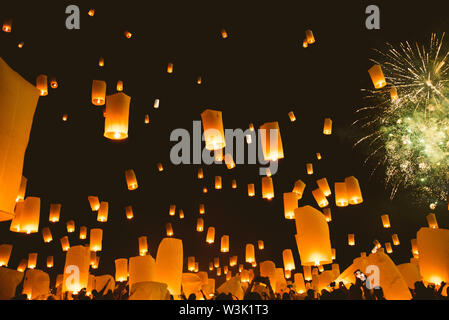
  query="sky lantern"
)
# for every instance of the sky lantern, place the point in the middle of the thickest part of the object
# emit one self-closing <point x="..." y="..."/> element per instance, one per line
<point x="22" y="189"/>
<point x="271" y="140"/>
<point x="202" y="209"/>
<point x="289" y="262"/>
<point x="83" y="233"/>
<point x="41" y="84"/>
<point x="46" y="234"/>
<point x="21" y="44"/>
<point x="240" y="267"/>
<point x="200" y="225"/>
<point x="131" y="180"/>
<point x="229" y="161"/>
<point x="377" y="76"/>
<point x="267" y="269"/>
<point x="53" y="83"/>
<point x="7" y="26"/>
<point x="147" y="119"/>
<point x="394" y="94"/>
<point x="22" y="265"/>
<point x="250" y="256"/>
<point x="309" y="169"/>
<point x="324" y="187"/>
<point x="313" y="239"/>
<point x="101" y="62"/>
<point x="310" y="37"/>
<point x="213" y="130"/>
<point x="305" y="44"/>
<point x="36" y="283"/>
<point x="5" y="254"/>
<point x="205" y="190"/>
<point x="127" y="34"/>
<point x="433" y="247"/>
<point x="200" y="174"/>
<point x="169" y="229"/>
<point x="119" y="85"/>
<point x="290" y="204"/>
<point x="98" y="92"/>
<point x="224" y="34"/>
<point x="395" y="239"/>
<point x="233" y="261"/>
<point x="96" y="239"/>
<point x="292" y="117"/>
<point x="260" y="245"/>
<point x="218" y="183"/>
<point x="386" y="221"/>
<point x="29" y="218"/>
<point x="94" y="203"/>
<point x="327" y="130"/>
<point x="211" y="266"/>
<point x="351" y="239"/>
<point x="432" y="221"/>
<point x="199" y="80"/>
<point x="251" y="127"/>
<point x="377" y="244"/>
<point x="65" y="243"/>
<point x="170" y="67"/>
<point x="299" y="188"/>
<point x="224" y="244"/>
<point x="318" y="156"/>
<point x="267" y="188"/>
<point x="65" y="117"/>
<point x="327" y="214"/>
<point x="169" y="264"/>
<point x="92" y="258"/>
<point x="160" y="167"/>
<point x="97" y="262"/>
<point x="320" y="198"/>
<point x="341" y="194"/>
<point x="388" y="247"/>
<point x="143" y="246"/>
<point x="55" y="212"/>
<point x="50" y="262"/>
<point x="18" y="101"/>
<point x="15" y="222"/>
<point x="129" y="212"/>
<point x="156" y="104"/>
<point x="251" y="190"/>
<point x="234" y="184"/>
<point x="181" y="214"/>
<point x="191" y="264"/>
<point x="91" y="12"/>
<point x="117" y="116"/>
<point x="32" y="260"/>
<point x="299" y="284"/>
<point x="210" y="238"/>
<point x="70" y="226"/>
<point x="353" y="190"/>
<point x="121" y="270"/>
<point x="103" y="212"/>
<point x="76" y="269"/>
<point x="334" y="253"/>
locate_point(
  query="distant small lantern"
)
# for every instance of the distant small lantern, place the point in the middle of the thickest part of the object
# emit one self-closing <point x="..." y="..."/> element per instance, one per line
<point x="395" y="239"/>
<point x="309" y="169"/>
<point x="96" y="239"/>
<point x="5" y="254"/>
<point x="327" y="126"/>
<point x="234" y="184"/>
<point x="318" y="156"/>
<point x="70" y="226"/>
<point x="290" y="204"/>
<point x="169" y="230"/>
<point x="103" y="212"/>
<point x="394" y="94"/>
<point x="131" y="180"/>
<point x="41" y="84"/>
<point x="327" y="214"/>
<point x="65" y="244"/>
<point x="388" y="247"/>
<point x="22" y="265"/>
<point x="21" y="44"/>
<point x="199" y="80"/>
<point x="320" y="198"/>
<point x="181" y="214"/>
<point x="377" y="76"/>
<point x="310" y="37"/>
<point x="353" y="191"/>
<point x="55" y="212"/>
<point x="386" y="221"/>
<point x="156" y="104"/>
<point x="83" y="233"/>
<point x="53" y="83"/>
<point x="305" y="44"/>
<point x="50" y="262"/>
<point x="143" y="245"/>
<point x="289" y="262"/>
<point x="292" y="117"/>
<point x="98" y="92"/>
<point x="129" y="212"/>
<point x="216" y="262"/>
<point x="299" y="188"/>
<point x="224" y="33"/>
<point x="251" y="190"/>
<point x="202" y="209"/>
<point x="94" y="203"/>
<point x="22" y="189"/>
<point x="32" y="260"/>
<point x="120" y="85"/>
<point x="127" y="34"/>
<point x="91" y="12"/>
<point x="229" y="161"/>
<point x="101" y="62"/>
<point x="224" y="244"/>
<point x="200" y="225"/>
<point x="117" y="116"/>
<point x="7" y="26"/>
<point x="432" y="221"/>
<point x="260" y="245"/>
<point x="334" y="254"/>
<point x="271" y="141"/>
<point x="218" y="183"/>
<point x="210" y="238"/>
<point x="65" y="117"/>
<point x="212" y="121"/>
<point x="324" y="187"/>
<point x="170" y="67"/>
<point x="147" y="119"/>
<point x="250" y="254"/>
<point x="351" y="239"/>
<point x="267" y="188"/>
<point x="341" y="194"/>
<point x="233" y="261"/>
<point x="160" y="167"/>
<point x="200" y="174"/>
<point x="46" y="234"/>
<point x="121" y="270"/>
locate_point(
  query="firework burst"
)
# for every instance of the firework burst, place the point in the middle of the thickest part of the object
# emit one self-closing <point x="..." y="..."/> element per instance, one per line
<point x="405" y="125"/>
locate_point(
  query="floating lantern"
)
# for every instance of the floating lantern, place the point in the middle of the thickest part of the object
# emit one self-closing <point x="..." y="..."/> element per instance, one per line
<point x="169" y="264"/>
<point x="240" y="267"/>
<point x="377" y="244"/>
<point x="432" y="221"/>
<point x="205" y="190"/>
<point x="305" y="44"/>
<point x="96" y="239"/>
<point x="351" y="239"/>
<point x="218" y="184"/>
<point x="210" y="238"/>
<point x="299" y="284"/>
<point x="433" y="245"/>
<point x="290" y="204"/>
<point x="307" y="271"/>
<point x="267" y="188"/>
<point x="202" y="210"/>
<point x="260" y="245"/>
<point x="147" y="119"/>
<point x="309" y="169"/>
<point x="41" y="84"/>
<point x="83" y="233"/>
<point x="318" y="156"/>
<point x="128" y="34"/>
<point x="53" y="83"/>
<point x="117" y="116"/>
<point x="94" y="203"/>
<point x="251" y="127"/>
<point x="169" y="229"/>
<point x="200" y="225"/>
<point x="21" y="44"/>
<point x="32" y="260"/>
<point x="50" y="262"/>
<point x="131" y="180"/>
<point x="292" y="117"/>
<point x="320" y="268"/>
<point x="98" y="92"/>
<point x="327" y="130"/>
<point x="70" y="226"/>
<point x="271" y="141"/>
<point x="160" y="168"/>
<point x="55" y="212"/>
<point x="46" y="234"/>
<point x="22" y="265"/>
<point x="129" y="212"/>
<point x="250" y="254"/>
<point x="191" y="264"/>
<point x="200" y="174"/>
<point x="394" y="94"/>
<point x="251" y="190"/>
<point x="91" y="12"/>
<point x="103" y="212"/>
<point x="324" y="187"/>
<point x="7" y="26"/>
<point x="327" y="214"/>
<point x="216" y="262"/>
<point x="309" y="36"/>
<point x="320" y="198"/>
<point x="299" y="188"/>
<point x="120" y="85"/>
<point x="65" y="117"/>
<point x="213" y="130"/>
<point x="219" y="272"/>
<point x="143" y="245"/>
<point x="121" y="270"/>
<point x="22" y="189"/>
<point x="334" y="254"/>
<point x="5" y="254"/>
<point x="234" y="184"/>
<point x="341" y="194"/>
<point x="233" y="261"/>
<point x="386" y="221"/>
<point x="229" y="161"/>
<point x="198" y="80"/>
<point x="289" y="262"/>
<point x="377" y="76"/>
<point x="181" y="214"/>
<point x="224" y="244"/>
<point x="353" y="190"/>
<point x="170" y="67"/>
<point x="395" y="239"/>
<point x="388" y="247"/>
<point x="76" y="269"/>
<point x="97" y="262"/>
<point x="224" y="34"/>
<point x="156" y="104"/>
<point x="101" y="62"/>
<point x="15" y="222"/>
<point x="65" y="243"/>
<point x="29" y="217"/>
<point x="93" y="258"/>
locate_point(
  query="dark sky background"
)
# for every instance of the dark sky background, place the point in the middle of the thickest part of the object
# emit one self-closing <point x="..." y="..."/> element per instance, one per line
<point x="258" y="74"/>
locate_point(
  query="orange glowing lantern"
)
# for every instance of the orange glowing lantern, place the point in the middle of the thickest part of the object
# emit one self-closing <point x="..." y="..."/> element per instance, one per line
<point x="327" y="130"/>
<point x="388" y="247"/>
<point x="290" y="204"/>
<point x="433" y="246"/>
<point x="120" y="85"/>
<point x="310" y="37"/>
<point x="395" y="239"/>
<point x="94" y="203"/>
<point x="318" y="156"/>
<point x="169" y="229"/>
<point x="29" y="217"/>
<point x="46" y="234"/>
<point x="143" y="246"/>
<point x="386" y="221"/>
<point x="271" y="140"/>
<point x="267" y="188"/>
<point x="213" y="130"/>
<point x="229" y="161"/>
<point x="103" y="212"/>
<point x="224" y="244"/>
<point x="200" y="225"/>
<point x="334" y="254"/>
<point x="261" y="245"/>
<point x="101" y="62"/>
<point x="7" y="26"/>
<point x="341" y="194"/>
<point x="233" y="261"/>
<point x="234" y="184"/>
<point x="292" y="117"/>
<point x="324" y="187"/>
<point x="210" y="238"/>
<point x="129" y="212"/>
<point x="160" y="168"/>
<point x="320" y="198"/>
<point x="432" y="221"/>
<point x="147" y="119"/>
<point x="70" y="226"/>
<point x="172" y="210"/>
<point x="98" y="92"/>
<point x="250" y="254"/>
<point x="181" y="214"/>
<point x="289" y="262"/>
<point x="170" y="67"/>
<point x="21" y="44"/>
<point x="22" y="265"/>
<point x="128" y="34"/>
<point x="377" y="76"/>
<point x="351" y="239"/>
<point x="200" y="174"/>
<point x="309" y="168"/>
<point x="156" y="104"/>
<point x="199" y="80"/>
<point x="131" y="180"/>
<point x="353" y="190"/>
<point x="53" y="83"/>
<point x="251" y="190"/>
<point x="65" y="243"/>
<point x="65" y="117"/>
<point x="50" y="262"/>
<point x="41" y="84"/>
<point x="32" y="260"/>
<point x="22" y="189"/>
<point x="121" y="270"/>
<point x="414" y="244"/>
<point x="83" y="233"/>
<point x="96" y="239"/>
<point x="191" y="264"/>
<point x="224" y="34"/>
<point x="218" y="183"/>
<point x="299" y="188"/>
<point x="55" y="212"/>
<point x="117" y="116"/>
<point x="327" y="214"/>
<point x="394" y="94"/>
<point x="91" y="12"/>
<point x="5" y="254"/>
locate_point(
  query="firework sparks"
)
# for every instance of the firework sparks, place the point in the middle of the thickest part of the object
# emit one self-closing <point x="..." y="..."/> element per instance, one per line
<point x="406" y="123"/>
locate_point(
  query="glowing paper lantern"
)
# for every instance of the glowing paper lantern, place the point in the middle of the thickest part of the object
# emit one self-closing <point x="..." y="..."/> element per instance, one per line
<point x="117" y="116"/>
<point x="309" y="168"/>
<point x="22" y="189"/>
<point x="121" y="270"/>
<point x="83" y="233"/>
<point x="271" y="140"/>
<point x="200" y="225"/>
<point x="65" y="243"/>
<point x="170" y="67"/>
<point x="29" y="219"/>
<point x="169" y="229"/>
<point x="210" y="239"/>
<point x="5" y="254"/>
<point x="234" y="184"/>
<point x="432" y="221"/>
<point x="299" y="188"/>
<point x="318" y="156"/>
<point x="127" y="34"/>
<point x="341" y="194"/>
<point x="53" y="83"/>
<point x="147" y="119"/>
<point x="377" y="76"/>
<point x="386" y="221"/>
<point x="250" y="256"/>
<point x="181" y="214"/>
<point x="199" y="80"/>
<point x="50" y="262"/>
<point x="353" y="190"/>
<point x="7" y="26"/>
<point x="213" y="130"/>
<point x="394" y="94"/>
<point x="160" y="168"/>
<point x="32" y="260"/>
<point x="351" y="239"/>
<point x="22" y="265"/>
<point x="260" y="245"/>
<point x="96" y="239"/>
<point x="65" y="117"/>
<point x="36" y="284"/>
<point x="327" y="130"/>
<point x="292" y="117"/>
<point x="143" y="245"/>
<point x="433" y="247"/>
<point x="172" y="210"/>
<point x="46" y="234"/>
<point x="156" y="104"/>
<point x="395" y="239"/>
<point x="101" y="62"/>
<point x="224" y="34"/>
<point x="131" y="180"/>
<point x="94" y="203"/>
<point x="224" y="244"/>
<point x="233" y="261"/>
<point x="334" y="254"/>
<point x="70" y="226"/>
<point x="200" y="174"/>
<point x="267" y="188"/>
<point x="169" y="263"/>
<point x="141" y="269"/>
<point x="15" y="222"/>
<point x="324" y="187"/>
<point x="76" y="269"/>
<point x="98" y="92"/>
<point x="191" y="264"/>
<point x="388" y="247"/>
<point x="290" y="204"/>
<point x="103" y="212"/>
<point x="327" y="214"/>
<point x="299" y="284"/>
<point x="305" y="44"/>
<point x="229" y="161"/>
<point x="309" y="36"/>
<point x="313" y="239"/>
<point x="251" y="127"/>
<point x="41" y="84"/>
<point x="21" y="44"/>
<point x="18" y="100"/>
<point x="320" y="198"/>
<point x="91" y="12"/>
<point x="251" y="190"/>
<point x="289" y="262"/>
<point x="218" y="183"/>
<point x="202" y="209"/>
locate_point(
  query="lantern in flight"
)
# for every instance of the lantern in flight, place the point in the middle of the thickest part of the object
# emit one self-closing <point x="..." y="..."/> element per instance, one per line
<point x="121" y="270"/>
<point x="32" y="260"/>
<point x="213" y="130"/>
<point x="83" y="233"/>
<point x="290" y="204"/>
<point x="341" y="194"/>
<point x="169" y="229"/>
<point x="160" y="168"/>
<point x="117" y="116"/>
<point x="327" y="130"/>
<point x="98" y="92"/>
<point x="224" y="34"/>
<point x="55" y="211"/>
<point x="156" y="104"/>
<point x="353" y="191"/>
<point x="327" y="214"/>
<point x="289" y="262"/>
<point x="200" y="174"/>
<point x="386" y="221"/>
<point x="29" y="219"/>
<point x="351" y="239"/>
<point x="250" y="254"/>
<point x="394" y="94"/>
<point x="310" y="37"/>
<point x="22" y="189"/>
<point x="94" y="203"/>
<point x="65" y="243"/>
<point x="129" y="212"/>
<point x="260" y="245"/>
<point x="251" y="190"/>
<point x="96" y="239"/>
<point x="324" y="187"/>
<point x="50" y="262"/>
<point x="292" y="117"/>
<point x="299" y="188"/>
<point x="5" y="254"/>
<point x="229" y="161"/>
<point x="224" y="244"/>
<point x="53" y="83"/>
<point x="271" y="140"/>
<point x="267" y="188"/>
<point x="143" y="245"/>
<point x="91" y="12"/>
<point x="120" y="85"/>
<point x="202" y="209"/>
<point x="169" y="264"/>
<point x="41" y="84"/>
<point x="46" y="234"/>
<point x="101" y="62"/>
<point x="432" y="221"/>
<point x="7" y="26"/>
<point x="395" y="239"/>
<point x="103" y="212"/>
<point x="433" y="246"/>
<point x="170" y="67"/>
<point x="131" y="180"/>
<point x="200" y="225"/>
<point x="377" y="76"/>
<point x="309" y="169"/>
<point x="234" y="184"/>
<point x="127" y="34"/>
<point x="210" y="238"/>
<point x="320" y="198"/>
<point x="218" y="183"/>
<point x="70" y="226"/>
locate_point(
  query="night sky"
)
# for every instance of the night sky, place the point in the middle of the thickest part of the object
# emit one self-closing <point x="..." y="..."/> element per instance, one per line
<point x="258" y="74"/>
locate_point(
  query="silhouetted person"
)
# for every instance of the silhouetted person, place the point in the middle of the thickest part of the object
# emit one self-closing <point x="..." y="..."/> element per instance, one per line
<point x="310" y="295"/>
<point x="355" y="293"/>
<point x="379" y="293"/>
<point x="286" y="296"/>
<point x="192" y="297"/>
